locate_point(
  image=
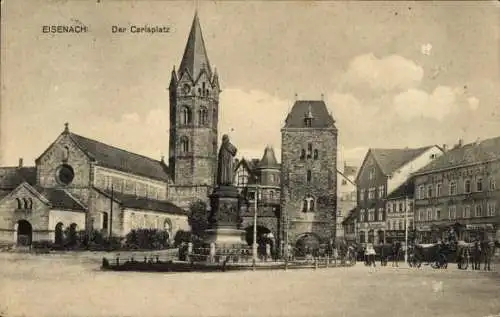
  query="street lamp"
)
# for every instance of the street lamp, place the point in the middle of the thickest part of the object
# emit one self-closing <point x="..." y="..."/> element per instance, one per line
<point x="254" y="244"/>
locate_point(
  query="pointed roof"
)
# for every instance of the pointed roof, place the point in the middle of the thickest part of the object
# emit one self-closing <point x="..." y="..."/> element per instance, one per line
<point x="195" y="57"/>
<point x="268" y="159"/>
<point x="472" y="153"/>
<point x="315" y="109"/>
<point x="389" y="160"/>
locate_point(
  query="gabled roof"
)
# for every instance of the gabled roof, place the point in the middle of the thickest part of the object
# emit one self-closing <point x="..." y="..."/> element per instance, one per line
<point x="122" y="160"/>
<point x="195" y="58"/>
<point x="61" y="199"/>
<point x="134" y="202"/>
<point x="389" y="160"/>
<point x="11" y="177"/>
<point x="268" y="159"/>
<point x="471" y="153"/>
<point x="316" y="109"/>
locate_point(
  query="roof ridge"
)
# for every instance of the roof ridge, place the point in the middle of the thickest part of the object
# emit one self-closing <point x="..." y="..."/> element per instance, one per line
<point x="115" y="147"/>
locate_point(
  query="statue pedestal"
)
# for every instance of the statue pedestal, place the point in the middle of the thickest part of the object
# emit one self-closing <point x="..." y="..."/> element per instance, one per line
<point x="225" y="219"/>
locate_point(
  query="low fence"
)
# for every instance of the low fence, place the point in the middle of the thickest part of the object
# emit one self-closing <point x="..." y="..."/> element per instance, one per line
<point x="219" y="262"/>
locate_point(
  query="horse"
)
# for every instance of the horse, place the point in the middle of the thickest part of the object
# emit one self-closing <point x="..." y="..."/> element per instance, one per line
<point x="488" y="249"/>
<point x="476" y="255"/>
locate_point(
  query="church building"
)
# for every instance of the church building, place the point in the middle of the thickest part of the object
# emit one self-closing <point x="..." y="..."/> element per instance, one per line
<point x="79" y="183"/>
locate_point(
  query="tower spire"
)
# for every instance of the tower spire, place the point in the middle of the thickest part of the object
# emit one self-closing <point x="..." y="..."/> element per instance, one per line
<point x="195" y="58"/>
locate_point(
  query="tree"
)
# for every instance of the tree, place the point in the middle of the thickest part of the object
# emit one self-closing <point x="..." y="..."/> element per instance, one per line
<point x="198" y="217"/>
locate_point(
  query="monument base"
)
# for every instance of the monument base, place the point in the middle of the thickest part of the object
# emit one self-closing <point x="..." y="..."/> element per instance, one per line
<point x="226" y="237"/>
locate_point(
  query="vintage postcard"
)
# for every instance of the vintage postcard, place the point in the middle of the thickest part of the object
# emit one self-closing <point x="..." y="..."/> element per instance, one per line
<point x="258" y="158"/>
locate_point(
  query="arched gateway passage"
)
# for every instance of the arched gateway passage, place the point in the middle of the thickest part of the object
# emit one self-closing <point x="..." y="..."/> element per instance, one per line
<point x="307" y="244"/>
<point x="24" y="233"/>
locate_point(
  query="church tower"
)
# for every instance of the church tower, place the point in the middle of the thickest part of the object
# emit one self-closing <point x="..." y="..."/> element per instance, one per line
<point x="194" y="109"/>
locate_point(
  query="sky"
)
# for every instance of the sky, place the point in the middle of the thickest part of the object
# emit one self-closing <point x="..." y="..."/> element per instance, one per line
<point x="393" y="74"/>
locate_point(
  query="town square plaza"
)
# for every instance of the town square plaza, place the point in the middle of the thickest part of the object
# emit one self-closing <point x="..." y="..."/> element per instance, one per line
<point x="72" y="284"/>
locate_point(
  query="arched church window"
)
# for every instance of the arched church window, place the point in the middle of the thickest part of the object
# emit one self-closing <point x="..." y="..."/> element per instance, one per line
<point x="30" y="203"/>
<point x="202" y="116"/>
<point x="105" y="220"/>
<point x="184" y="144"/>
<point x="19" y="204"/>
<point x="26" y="203"/>
<point x="66" y="154"/>
<point x="204" y="89"/>
<point x="185" y="115"/>
<point x="315" y="154"/>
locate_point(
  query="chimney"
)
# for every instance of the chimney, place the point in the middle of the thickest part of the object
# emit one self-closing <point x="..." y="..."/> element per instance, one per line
<point x="460" y="142"/>
<point x="444" y="147"/>
<point x="20" y="162"/>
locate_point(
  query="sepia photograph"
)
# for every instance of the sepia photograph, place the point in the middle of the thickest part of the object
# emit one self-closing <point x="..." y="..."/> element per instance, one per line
<point x="249" y="158"/>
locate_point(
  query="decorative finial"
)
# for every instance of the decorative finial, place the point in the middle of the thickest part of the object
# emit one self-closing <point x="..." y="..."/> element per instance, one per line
<point x="66" y="127"/>
<point x="296" y="96"/>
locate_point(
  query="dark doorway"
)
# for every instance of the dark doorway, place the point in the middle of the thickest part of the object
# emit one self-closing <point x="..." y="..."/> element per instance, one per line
<point x="71" y="237"/>
<point x="263" y="238"/>
<point x="59" y="234"/>
<point x="307" y="244"/>
<point x="24" y="233"/>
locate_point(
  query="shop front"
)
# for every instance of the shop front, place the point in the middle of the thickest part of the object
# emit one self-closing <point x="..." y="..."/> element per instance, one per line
<point x="394" y="236"/>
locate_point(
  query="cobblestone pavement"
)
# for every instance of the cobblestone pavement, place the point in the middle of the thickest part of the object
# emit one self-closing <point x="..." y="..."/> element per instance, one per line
<point x="67" y="285"/>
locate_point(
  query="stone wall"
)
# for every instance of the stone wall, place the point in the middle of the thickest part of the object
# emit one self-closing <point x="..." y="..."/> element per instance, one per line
<point x="129" y="183"/>
<point x="322" y="187"/>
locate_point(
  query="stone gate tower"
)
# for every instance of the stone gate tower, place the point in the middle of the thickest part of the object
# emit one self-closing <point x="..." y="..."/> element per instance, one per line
<point x="309" y="178"/>
<point x="194" y="107"/>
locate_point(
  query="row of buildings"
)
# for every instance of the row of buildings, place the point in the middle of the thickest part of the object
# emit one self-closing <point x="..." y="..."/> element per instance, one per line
<point x="432" y="190"/>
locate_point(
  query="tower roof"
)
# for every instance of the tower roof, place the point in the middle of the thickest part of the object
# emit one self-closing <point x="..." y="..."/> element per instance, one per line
<point x="195" y="57"/>
<point x="315" y="110"/>
<point x="268" y="159"/>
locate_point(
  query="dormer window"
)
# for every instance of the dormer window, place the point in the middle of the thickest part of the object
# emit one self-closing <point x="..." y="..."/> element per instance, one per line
<point x="308" y="122"/>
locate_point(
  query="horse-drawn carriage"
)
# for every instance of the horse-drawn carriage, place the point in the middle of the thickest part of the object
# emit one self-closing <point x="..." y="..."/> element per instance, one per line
<point x="435" y="254"/>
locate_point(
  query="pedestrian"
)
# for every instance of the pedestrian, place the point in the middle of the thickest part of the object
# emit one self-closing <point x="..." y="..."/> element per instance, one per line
<point x="371" y="255"/>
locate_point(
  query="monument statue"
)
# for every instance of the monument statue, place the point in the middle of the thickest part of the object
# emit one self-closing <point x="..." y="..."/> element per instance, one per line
<point x="225" y="163"/>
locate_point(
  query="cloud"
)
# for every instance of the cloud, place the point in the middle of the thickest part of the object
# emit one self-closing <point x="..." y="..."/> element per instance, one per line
<point x="473" y="103"/>
<point x="418" y="103"/>
<point x="390" y="73"/>
<point x="256" y="118"/>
